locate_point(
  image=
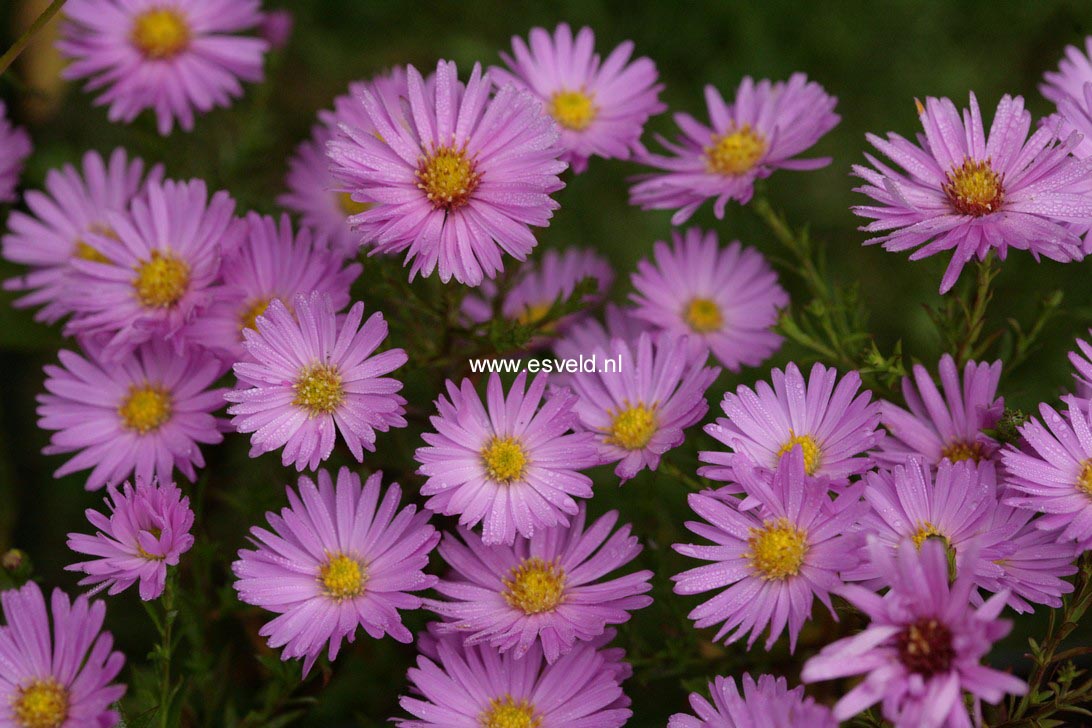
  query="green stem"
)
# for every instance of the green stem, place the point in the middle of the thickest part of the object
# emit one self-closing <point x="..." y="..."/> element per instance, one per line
<point x="976" y="315"/>
<point x="12" y="53"/>
<point x="167" y="634"/>
<point x="670" y="468"/>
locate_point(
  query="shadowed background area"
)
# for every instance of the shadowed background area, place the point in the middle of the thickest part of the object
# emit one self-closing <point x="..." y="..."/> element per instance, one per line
<point x="875" y="58"/>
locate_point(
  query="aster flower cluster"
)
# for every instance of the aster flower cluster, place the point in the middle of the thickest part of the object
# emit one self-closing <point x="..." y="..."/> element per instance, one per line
<point x="514" y="584"/>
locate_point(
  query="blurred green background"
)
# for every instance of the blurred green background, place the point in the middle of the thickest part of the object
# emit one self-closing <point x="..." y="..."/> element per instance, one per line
<point x="875" y="57"/>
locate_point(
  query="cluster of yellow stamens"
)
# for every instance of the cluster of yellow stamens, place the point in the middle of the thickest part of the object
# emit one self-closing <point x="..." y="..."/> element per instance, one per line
<point x="505" y="460"/>
<point x="632" y="427"/>
<point x="251" y="311"/>
<point x="535" y="586"/>
<point x="342" y="577"/>
<point x="574" y="110"/>
<point x="960" y="450"/>
<point x="161" y="280"/>
<point x="777" y="550"/>
<point x="507" y="712"/>
<point x="319" y="389"/>
<point x="973" y="188"/>
<point x="703" y="315"/>
<point x="145" y="408"/>
<point x="350" y="206"/>
<point x="41" y="704"/>
<point x="160" y="33"/>
<point x="448" y="177"/>
<point x="813" y="454"/>
<point x="1084" y="480"/>
<point x="736" y="152"/>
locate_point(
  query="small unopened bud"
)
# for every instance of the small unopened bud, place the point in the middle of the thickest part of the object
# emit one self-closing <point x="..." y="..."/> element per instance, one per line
<point x="12" y="560"/>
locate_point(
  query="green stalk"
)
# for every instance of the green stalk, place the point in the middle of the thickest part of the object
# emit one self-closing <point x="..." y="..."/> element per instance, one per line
<point x="12" y="53"/>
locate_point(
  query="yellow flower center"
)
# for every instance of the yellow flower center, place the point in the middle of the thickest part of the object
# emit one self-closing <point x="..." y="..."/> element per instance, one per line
<point x="342" y="577"/>
<point x="145" y="409"/>
<point x="251" y="312"/>
<point x="813" y="454"/>
<point x="632" y="427"/>
<point x="350" y="206"/>
<point x="777" y="550"/>
<point x="161" y="281"/>
<point x="83" y="251"/>
<point x="448" y="178"/>
<point x="974" y="188"/>
<point x="508" y="713"/>
<point x="736" y="152"/>
<point x="926" y="531"/>
<point x="504" y="459"/>
<point x="573" y="109"/>
<point x="531" y="314"/>
<point x="319" y="389"/>
<point x="535" y="586"/>
<point x="703" y="315"/>
<point x="1084" y="480"/>
<point x="960" y="450"/>
<point x="160" y="33"/>
<point x="42" y="704"/>
<point x="156" y="532"/>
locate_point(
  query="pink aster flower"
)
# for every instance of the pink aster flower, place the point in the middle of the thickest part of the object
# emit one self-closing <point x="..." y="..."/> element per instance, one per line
<point x="944" y="427"/>
<point x="765" y="703"/>
<point x="1074" y="71"/>
<point x="478" y="686"/>
<point x="833" y="424"/>
<point x="508" y="464"/>
<point x="461" y="183"/>
<point x="59" y="675"/>
<point x="60" y="220"/>
<point x="1053" y="474"/>
<point x="156" y="267"/>
<point x="725" y="300"/>
<point x="1035" y="561"/>
<point x="337" y="558"/>
<point x="547" y="590"/>
<point x="924" y="645"/>
<point x="601" y="107"/>
<point x="765" y="129"/>
<point x="173" y="56"/>
<point x="769" y="563"/>
<point x="14" y="149"/>
<point x="309" y="376"/>
<point x="639" y="409"/>
<point x="1082" y="365"/>
<point x="273" y="262"/>
<point x="143" y="415"/>
<point x="542" y="283"/>
<point x="147" y="530"/>
<point x="973" y="193"/>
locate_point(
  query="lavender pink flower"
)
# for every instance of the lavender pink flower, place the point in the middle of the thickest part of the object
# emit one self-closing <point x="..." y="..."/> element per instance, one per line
<point x="478" y="686"/>
<point x="769" y="563"/>
<point x="547" y="590"/>
<point x="147" y="530"/>
<point x="1082" y="369"/>
<point x="310" y="376"/>
<point x="724" y="300"/>
<point x="972" y="193"/>
<point x="1034" y="561"/>
<point x="509" y="464"/>
<point x="56" y="228"/>
<point x="459" y="185"/>
<point x="765" y="128"/>
<point x="830" y="420"/>
<point x="14" y="150"/>
<point x="949" y="426"/>
<point x="601" y="106"/>
<point x="763" y="703"/>
<point x="156" y="267"/>
<point x="640" y="410"/>
<point x="339" y="557"/>
<point x="1074" y="71"/>
<point x="923" y="647"/>
<point x="144" y="415"/>
<point x="60" y="674"/>
<point x="176" y="57"/>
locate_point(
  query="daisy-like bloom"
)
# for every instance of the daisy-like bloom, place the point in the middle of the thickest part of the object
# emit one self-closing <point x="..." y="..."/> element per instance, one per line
<point x="1053" y="474"/>
<point x="763" y="130"/>
<point x="143" y="415"/>
<point x="273" y="262"/>
<point x="924" y="645"/>
<point x="156" y="267"/>
<point x="724" y="300"/>
<point x="173" y="56"/>
<point x="948" y="426"/>
<point x="540" y="285"/>
<point x="547" y="590"/>
<point x="1082" y="365"/>
<point x="601" y="107"/>
<point x="639" y="410"/>
<point x="459" y="182"/>
<point x="508" y="464"/>
<point x="57" y="227"/>
<point x="1035" y="561"/>
<point x="1074" y="71"/>
<point x="147" y="530"/>
<point x="309" y="376"/>
<point x="975" y="194"/>
<point x="337" y="558"/>
<point x="763" y="703"/>
<point x="769" y="563"/>
<point x="476" y="687"/>
<point x="832" y="423"/>
<point x="57" y="676"/>
<point x="14" y="150"/>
